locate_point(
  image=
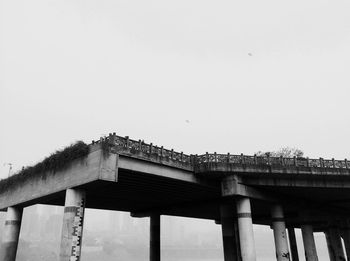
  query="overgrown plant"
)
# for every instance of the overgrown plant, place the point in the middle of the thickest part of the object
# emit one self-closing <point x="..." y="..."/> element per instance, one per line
<point x="106" y="147"/>
<point x="56" y="161"/>
<point x="286" y="152"/>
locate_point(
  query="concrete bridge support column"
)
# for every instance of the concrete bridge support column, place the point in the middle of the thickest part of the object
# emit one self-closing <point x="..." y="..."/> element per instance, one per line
<point x="154" y="252"/>
<point x="229" y="232"/>
<point x="346" y="237"/>
<point x="11" y="234"/>
<point x="335" y="246"/>
<point x="72" y="227"/>
<point x="309" y="243"/>
<point x="279" y="232"/>
<point x="293" y="244"/>
<point x="245" y="228"/>
<point x="329" y="246"/>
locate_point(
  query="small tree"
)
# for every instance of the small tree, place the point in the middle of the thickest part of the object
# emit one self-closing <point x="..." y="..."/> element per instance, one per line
<point x="286" y="152"/>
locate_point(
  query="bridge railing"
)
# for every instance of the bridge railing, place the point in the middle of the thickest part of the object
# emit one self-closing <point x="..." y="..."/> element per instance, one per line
<point x="125" y="145"/>
<point x="140" y="149"/>
<point x="271" y="161"/>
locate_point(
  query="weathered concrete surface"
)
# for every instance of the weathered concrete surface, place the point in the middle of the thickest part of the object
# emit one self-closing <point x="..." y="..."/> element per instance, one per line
<point x="152" y="168"/>
<point x="11" y="234"/>
<point x="309" y="243"/>
<point x="245" y="226"/>
<point x="336" y="250"/>
<point x="94" y="167"/>
<point x="143" y="182"/>
<point x="279" y="232"/>
<point x="233" y="186"/>
<point x="230" y="235"/>
<point x="97" y="167"/>
<point x="331" y="252"/>
<point x="217" y="169"/>
<point x="300" y="181"/>
<point x="293" y="244"/>
<point x="72" y="227"/>
<point x="345" y="233"/>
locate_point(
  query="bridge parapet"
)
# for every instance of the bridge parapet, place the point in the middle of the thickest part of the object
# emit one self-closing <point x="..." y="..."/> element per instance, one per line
<point x="149" y="152"/>
<point x="255" y="160"/>
<point x="158" y="154"/>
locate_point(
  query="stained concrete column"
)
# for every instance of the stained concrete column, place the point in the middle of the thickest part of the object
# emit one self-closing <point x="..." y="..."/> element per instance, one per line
<point x="154" y="251"/>
<point x="11" y="234"/>
<point x="229" y="232"/>
<point x="72" y="227"/>
<point x="245" y="228"/>
<point x="279" y="232"/>
<point x="346" y="237"/>
<point x="293" y="244"/>
<point x="309" y="243"/>
<point x="331" y="252"/>
<point x="335" y="245"/>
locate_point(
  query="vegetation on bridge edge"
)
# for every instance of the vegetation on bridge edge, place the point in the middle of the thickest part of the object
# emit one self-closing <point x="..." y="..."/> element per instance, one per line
<point x="56" y="161"/>
<point x="106" y="145"/>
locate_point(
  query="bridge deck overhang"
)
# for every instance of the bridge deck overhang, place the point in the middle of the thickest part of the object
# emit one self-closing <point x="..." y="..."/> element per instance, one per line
<point x="119" y="182"/>
<point x="124" y="182"/>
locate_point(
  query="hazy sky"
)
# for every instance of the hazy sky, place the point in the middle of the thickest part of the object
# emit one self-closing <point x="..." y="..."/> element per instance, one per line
<point x="194" y="75"/>
<point x="197" y="76"/>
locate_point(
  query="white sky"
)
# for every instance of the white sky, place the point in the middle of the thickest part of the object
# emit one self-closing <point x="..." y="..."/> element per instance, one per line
<point x="76" y="69"/>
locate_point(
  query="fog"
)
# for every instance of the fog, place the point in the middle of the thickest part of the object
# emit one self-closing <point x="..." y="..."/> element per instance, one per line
<point x="194" y="75"/>
<point x="114" y="235"/>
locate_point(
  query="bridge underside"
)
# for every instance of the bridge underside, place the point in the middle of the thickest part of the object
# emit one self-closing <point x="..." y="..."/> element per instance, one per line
<point x="143" y="195"/>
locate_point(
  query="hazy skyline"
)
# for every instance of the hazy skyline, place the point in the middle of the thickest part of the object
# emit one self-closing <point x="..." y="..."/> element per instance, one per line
<point x="175" y="232"/>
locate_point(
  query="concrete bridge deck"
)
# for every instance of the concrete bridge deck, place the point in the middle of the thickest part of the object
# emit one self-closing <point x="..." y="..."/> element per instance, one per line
<point x="142" y="178"/>
<point x="123" y="174"/>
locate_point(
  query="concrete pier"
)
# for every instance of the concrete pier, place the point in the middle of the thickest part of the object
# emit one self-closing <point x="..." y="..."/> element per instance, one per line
<point x="346" y="237"/>
<point x="309" y="243"/>
<point x="154" y="251"/>
<point x="279" y="232"/>
<point x="229" y="232"/>
<point x="335" y="246"/>
<point x="245" y="228"/>
<point x="72" y="227"/>
<point x="293" y="244"/>
<point x="329" y="246"/>
<point x="11" y="234"/>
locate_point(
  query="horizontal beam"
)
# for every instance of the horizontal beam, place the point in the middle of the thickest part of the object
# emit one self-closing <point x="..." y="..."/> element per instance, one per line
<point x="299" y="181"/>
<point x="143" y="166"/>
<point x="214" y="169"/>
<point x="232" y="186"/>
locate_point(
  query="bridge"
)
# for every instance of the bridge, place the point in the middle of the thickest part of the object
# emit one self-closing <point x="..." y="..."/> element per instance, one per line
<point x="235" y="191"/>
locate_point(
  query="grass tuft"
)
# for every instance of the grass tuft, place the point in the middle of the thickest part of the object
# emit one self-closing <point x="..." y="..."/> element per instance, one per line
<point x="56" y="161"/>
